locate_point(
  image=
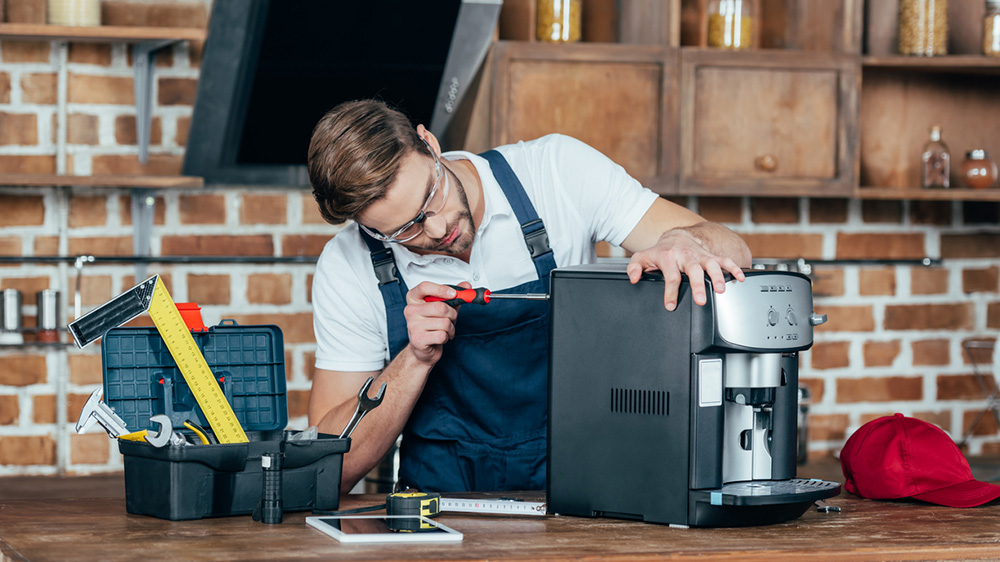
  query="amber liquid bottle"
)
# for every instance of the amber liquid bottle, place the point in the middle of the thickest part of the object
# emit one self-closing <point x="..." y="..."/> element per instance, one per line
<point x="935" y="162"/>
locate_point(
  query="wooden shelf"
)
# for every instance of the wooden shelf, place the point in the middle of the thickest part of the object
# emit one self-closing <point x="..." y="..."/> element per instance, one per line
<point x="762" y="188"/>
<point x="97" y="34"/>
<point x="884" y="193"/>
<point x="916" y="194"/>
<point x="950" y="63"/>
<point x="56" y="180"/>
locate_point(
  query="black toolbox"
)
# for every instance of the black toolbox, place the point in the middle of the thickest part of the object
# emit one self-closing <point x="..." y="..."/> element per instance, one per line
<point x="193" y="481"/>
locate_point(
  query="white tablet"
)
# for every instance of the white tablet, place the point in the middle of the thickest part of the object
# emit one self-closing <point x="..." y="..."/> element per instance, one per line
<point x="380" y="528"/>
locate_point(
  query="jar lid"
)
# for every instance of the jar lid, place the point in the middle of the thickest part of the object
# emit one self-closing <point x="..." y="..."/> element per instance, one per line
<point x="977" y="154"/>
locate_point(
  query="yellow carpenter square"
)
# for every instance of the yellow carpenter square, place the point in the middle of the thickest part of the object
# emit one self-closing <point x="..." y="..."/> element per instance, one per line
<point x="192" y="365"/>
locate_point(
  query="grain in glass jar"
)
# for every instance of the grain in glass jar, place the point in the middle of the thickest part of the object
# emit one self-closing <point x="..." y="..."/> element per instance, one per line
<point x="558" y="21"/>
<point x="730" y="24"/>
<point x="923" y="27"/>
<point x="991" y="29"/>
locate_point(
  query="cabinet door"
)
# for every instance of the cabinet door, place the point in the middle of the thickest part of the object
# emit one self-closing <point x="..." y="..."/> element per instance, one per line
<point x="768" y="123"/>
<point x="619" y="99"/>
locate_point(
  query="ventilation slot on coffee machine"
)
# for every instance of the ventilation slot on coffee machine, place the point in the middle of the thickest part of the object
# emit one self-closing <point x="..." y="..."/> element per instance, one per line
<point x="634" y="401"/>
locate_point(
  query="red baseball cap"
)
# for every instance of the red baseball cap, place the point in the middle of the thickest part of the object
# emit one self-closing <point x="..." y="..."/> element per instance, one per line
<point x="899" y="457"/>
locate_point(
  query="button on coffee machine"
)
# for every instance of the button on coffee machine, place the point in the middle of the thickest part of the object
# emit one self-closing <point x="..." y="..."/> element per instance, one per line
<point x="685" y="417"/>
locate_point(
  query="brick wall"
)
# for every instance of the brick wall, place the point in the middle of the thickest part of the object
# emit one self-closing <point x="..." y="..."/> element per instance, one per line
<point x="272" y="222"/>
<point x="893" y="342"/>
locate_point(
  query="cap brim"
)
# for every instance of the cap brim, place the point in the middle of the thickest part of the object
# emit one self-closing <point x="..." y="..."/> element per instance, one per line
<point x="966" y="494"/>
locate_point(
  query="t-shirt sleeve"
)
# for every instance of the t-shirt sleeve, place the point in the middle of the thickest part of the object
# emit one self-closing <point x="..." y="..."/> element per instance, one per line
<point x="606" y="197"/>
<point x="348" y="334"/>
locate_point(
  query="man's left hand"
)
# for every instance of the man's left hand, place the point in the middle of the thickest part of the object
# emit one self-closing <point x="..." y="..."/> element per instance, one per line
<point x="679" y="251"/>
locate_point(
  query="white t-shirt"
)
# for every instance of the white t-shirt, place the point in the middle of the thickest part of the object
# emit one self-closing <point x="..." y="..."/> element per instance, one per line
<point x="581" y="196"/>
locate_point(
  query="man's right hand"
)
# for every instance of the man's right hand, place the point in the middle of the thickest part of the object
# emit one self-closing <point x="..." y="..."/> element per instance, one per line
<point x="430" y="325"/>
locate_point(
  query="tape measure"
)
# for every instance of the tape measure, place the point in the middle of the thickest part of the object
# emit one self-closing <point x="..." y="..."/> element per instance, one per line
<point x="412" y="503"/>
<point x="498" y="506"/>
<point x="193" y="366"/>
<point x="431" y="504"/>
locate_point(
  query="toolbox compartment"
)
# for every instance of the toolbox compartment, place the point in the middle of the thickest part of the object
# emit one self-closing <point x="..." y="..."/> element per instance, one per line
<point x="179" y="482"/>
<point x="197" y="481"/>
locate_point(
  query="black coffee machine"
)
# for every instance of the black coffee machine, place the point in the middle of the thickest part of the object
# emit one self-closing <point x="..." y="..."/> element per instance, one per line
<point x="685" y="417"/>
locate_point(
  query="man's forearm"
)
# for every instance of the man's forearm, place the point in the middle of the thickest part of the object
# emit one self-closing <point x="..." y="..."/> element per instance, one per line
<point x="405" y="377"/>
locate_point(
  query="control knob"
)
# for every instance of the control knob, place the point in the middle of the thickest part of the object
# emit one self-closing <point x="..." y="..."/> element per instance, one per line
<point x="792" y="319"/>
<point x="772" y="317"/>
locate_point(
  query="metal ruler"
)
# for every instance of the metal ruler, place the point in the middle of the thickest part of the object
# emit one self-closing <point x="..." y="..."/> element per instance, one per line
<point x="501" y="506"/>
<point x="152" y="296"/>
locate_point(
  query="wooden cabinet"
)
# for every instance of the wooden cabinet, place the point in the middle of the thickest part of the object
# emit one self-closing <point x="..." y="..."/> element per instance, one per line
<point x="902" y="97"/>
<point x="755" y="123"/>
<point x="620" y="99"/>
<point x="812" y="112"/>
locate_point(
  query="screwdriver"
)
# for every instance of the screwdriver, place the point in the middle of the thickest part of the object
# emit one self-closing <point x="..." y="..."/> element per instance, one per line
<point x="481" y="295"/>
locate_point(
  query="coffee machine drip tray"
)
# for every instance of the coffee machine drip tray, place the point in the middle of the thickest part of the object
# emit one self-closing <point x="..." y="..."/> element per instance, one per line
<point x="758" y="502"/>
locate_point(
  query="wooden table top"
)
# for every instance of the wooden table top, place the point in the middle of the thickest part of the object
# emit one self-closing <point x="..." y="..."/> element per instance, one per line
<point x="98" y="528"/>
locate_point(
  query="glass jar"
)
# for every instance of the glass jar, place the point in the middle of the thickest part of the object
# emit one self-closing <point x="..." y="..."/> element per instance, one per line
<point x="10" y="317"/>
<point x="977" y="170"/>
<point x="991" y="29"/>
<point x="74" y="12"/>
<point x="558" y="21"/>
<point x="923" y="27"/>
<point x="730" y="24"/>
<point x="47" y="323"/>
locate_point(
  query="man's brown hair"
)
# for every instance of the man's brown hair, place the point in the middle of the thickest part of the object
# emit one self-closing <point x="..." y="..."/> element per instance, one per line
<point x="354" y="155"/>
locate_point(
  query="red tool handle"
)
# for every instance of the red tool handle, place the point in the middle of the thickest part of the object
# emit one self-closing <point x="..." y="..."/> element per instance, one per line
<point x="478" y="295"/>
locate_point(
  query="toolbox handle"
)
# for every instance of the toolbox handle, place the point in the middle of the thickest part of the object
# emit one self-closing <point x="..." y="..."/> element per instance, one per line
<point x="228" y="322"/>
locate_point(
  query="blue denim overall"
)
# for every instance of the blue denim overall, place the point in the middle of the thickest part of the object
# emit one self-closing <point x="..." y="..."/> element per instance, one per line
<point x="480" y="424"/>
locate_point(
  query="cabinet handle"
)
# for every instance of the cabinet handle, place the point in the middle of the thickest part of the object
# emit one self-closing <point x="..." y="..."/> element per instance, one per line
<point x="766" y="163"/>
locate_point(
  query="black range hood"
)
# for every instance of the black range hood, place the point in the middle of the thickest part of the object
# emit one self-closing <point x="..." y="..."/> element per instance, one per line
<point x="272" y="68"/>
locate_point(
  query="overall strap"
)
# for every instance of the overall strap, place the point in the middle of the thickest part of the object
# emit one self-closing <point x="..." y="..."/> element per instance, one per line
<point x="393" y="289"/>
<point x="532" y="228"/>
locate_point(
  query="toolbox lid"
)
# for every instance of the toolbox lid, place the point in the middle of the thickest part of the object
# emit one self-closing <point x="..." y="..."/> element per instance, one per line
<point x="141" y="378"/>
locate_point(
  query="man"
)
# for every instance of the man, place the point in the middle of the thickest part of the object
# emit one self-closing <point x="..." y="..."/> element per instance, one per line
<point x="467" y="386"/>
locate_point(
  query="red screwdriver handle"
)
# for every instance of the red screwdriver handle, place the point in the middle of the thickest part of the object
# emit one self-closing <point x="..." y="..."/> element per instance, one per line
<point x="478" y="295"/>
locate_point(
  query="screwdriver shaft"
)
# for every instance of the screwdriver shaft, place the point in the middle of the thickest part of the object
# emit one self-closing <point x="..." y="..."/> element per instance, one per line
<point x="525" y="296"/>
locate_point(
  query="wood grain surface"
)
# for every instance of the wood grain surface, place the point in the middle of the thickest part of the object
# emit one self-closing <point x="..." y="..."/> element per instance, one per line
<point x="39" y="31"/>
<point x="796" y="109"/>
<point x="619" y="99"/>
<point x="100" y="529"/>
<point x="898" y="108"/>
<point x="59" y="180"/>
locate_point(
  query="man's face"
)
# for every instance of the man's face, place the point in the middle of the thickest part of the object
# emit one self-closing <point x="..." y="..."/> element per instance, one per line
<point x="416" y="193"/>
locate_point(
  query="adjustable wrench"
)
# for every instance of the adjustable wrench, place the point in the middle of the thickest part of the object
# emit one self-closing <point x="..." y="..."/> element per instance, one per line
<point x="163" y="435"/>
<point x="365" y="404"/>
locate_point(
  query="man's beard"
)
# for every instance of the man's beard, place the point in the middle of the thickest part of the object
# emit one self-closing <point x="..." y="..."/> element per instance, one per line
<point x="466" y="234"/>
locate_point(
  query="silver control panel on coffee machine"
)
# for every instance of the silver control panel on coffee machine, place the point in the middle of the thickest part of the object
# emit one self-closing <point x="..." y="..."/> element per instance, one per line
<point x="685" y="417"/>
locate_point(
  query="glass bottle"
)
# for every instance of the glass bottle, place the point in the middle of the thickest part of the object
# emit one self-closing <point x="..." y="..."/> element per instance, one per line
<point x="730" y="24"/>
<point x="977" y="170"/>
<point x="991" y="29"/>
<point x="923" y="27"/>
<point x="558" y="21"/>
<point x="935" y="162"/>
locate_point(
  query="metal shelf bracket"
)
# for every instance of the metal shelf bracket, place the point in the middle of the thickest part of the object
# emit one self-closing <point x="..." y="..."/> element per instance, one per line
<point x="144" y="54"/>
